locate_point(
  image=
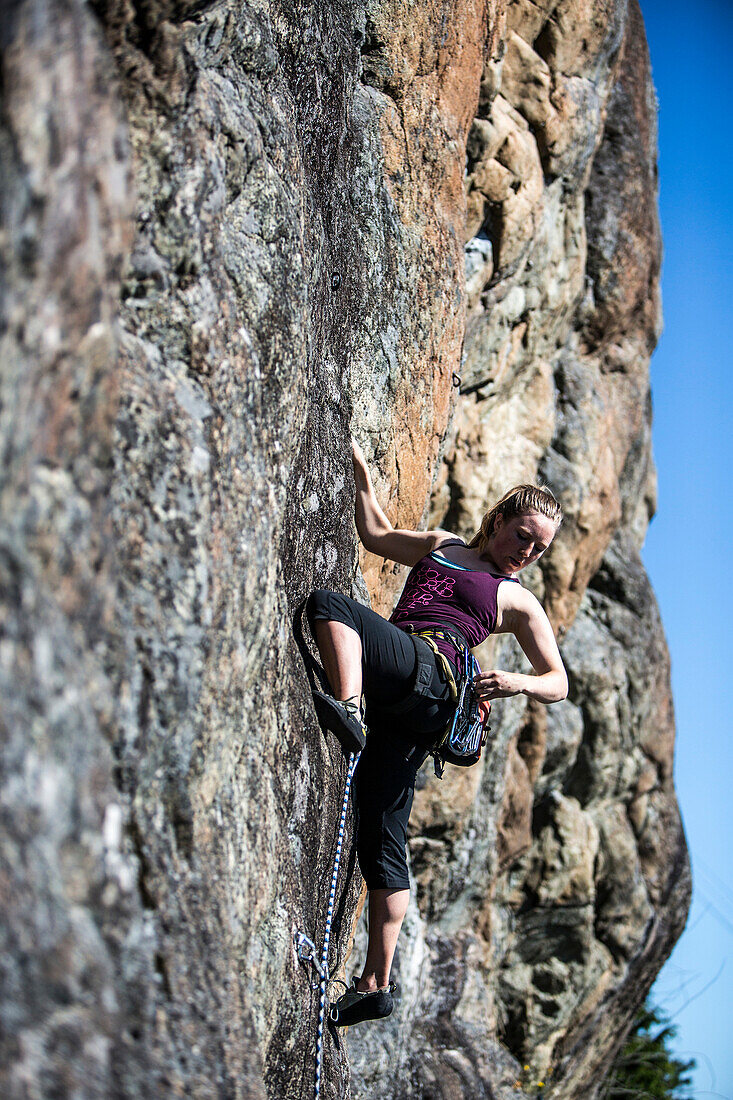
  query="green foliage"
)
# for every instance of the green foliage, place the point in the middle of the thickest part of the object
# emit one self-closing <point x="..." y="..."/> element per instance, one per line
<point x="644" y="1068"/>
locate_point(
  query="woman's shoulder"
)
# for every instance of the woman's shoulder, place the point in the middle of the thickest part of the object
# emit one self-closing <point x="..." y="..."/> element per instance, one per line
<point x="445" y="538"/>
<point x="515" y="598"/>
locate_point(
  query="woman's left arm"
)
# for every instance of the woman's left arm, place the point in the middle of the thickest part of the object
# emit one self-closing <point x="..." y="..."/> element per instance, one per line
<point x="523" y="616"/>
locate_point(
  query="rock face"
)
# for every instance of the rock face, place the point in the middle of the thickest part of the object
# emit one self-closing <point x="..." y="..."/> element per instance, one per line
<point x="232" y="233"/>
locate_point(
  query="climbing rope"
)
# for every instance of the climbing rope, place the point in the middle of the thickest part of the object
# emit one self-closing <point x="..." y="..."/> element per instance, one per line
<point x="323" y="969"/>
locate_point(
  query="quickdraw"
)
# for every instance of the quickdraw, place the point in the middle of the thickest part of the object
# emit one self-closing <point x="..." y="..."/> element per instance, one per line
<point x="463" y="741"/>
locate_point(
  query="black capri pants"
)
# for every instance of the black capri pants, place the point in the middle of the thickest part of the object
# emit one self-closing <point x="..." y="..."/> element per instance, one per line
<point x="397" y="744"/>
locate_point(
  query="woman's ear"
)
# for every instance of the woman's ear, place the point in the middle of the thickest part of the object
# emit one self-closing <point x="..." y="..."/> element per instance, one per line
<point x="498" y="523"/>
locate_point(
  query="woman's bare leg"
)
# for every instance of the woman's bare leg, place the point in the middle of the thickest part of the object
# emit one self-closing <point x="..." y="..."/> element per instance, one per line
<point x="340" y="650"/>
<point x="387" y="910"/>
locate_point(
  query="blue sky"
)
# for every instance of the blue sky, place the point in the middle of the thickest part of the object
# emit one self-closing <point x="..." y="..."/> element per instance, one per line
<point x="688" y="549"/>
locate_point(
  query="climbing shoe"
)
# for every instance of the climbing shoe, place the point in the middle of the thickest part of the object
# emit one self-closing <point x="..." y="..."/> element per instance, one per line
<point x="343" y="719"/>
<point x="354" y="1006"/>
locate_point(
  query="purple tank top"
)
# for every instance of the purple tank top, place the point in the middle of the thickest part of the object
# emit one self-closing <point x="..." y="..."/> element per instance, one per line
<point x="437" y="591"/>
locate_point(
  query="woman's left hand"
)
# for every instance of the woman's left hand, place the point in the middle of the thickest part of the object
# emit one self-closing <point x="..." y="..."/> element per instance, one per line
<point x="497" y="684"/>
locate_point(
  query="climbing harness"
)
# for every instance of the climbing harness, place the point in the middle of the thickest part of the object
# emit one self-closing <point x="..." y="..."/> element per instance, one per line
<point x="427" y="636"/>
<point x="306" y="949"/>
<point x="463" y="739"/>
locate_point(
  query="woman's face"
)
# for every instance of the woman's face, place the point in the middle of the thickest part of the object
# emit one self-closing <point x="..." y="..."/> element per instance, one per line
<point x="516" y="543"/>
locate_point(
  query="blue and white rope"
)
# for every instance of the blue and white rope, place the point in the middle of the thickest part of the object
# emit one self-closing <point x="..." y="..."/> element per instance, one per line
<point x="323" y="984"/>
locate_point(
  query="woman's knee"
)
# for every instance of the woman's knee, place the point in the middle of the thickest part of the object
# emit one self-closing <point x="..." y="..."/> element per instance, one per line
<point x="318" y="605"/>
<point x="323" y="604"/>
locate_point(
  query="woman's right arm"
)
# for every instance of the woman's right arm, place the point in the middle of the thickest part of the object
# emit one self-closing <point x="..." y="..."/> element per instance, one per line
<point x="521" y="614"/>
<point x="376" y="532"/>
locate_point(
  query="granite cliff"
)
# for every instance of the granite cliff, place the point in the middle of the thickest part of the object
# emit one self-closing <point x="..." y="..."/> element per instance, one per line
<point x="234" y="232"/>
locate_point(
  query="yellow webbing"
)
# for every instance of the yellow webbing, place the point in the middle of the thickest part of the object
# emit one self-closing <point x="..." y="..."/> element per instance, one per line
<point x="443" y="660"/>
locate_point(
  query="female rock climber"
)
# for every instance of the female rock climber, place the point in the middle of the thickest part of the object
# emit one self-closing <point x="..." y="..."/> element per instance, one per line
<point x="457" y="594"/>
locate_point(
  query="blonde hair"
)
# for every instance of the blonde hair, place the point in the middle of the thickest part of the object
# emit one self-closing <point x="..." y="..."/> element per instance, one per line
<point x="519" y="501"/>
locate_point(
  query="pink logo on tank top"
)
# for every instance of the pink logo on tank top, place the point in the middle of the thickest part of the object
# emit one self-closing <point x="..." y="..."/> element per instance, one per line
<point x="424" y="587"/>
